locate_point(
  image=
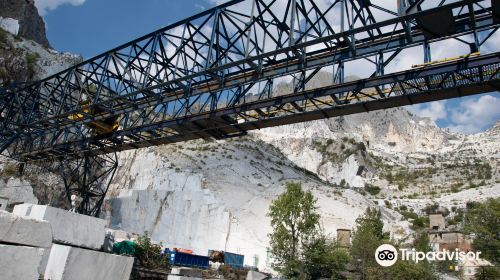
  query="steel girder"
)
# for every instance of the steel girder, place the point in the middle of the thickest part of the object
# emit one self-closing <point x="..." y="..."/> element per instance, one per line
<point x="222" y="58"/>
<point x="86" y="180"/>
<point x="453" y="79"/>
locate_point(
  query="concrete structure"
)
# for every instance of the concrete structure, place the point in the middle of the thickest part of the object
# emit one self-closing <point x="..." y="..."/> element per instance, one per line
<point x="436" y="222"/>
<point x="23" y="231"/>
<point x="449" y="240"/>
<point x="19" y="262"/>
<point x="70" y="263"/>
<point x="344" y="237"/>
<point x="67" y="227"/>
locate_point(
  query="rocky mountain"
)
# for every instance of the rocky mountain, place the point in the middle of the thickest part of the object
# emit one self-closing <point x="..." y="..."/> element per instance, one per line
<point x="21" y="18"/>
<point x="25" y="56"/>
<point x="215" y="195"/>
<point x="24" y="60"/>
<point x="25" y="53"/>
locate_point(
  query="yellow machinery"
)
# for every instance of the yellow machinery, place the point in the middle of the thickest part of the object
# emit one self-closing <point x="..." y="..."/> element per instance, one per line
<point x="446" y="60"/>
<point x="104" y="126"/>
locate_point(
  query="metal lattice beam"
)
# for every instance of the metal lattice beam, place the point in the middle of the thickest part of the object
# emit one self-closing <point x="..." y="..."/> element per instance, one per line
<point x="232" y="118"/>
<point x="218" y="74"/>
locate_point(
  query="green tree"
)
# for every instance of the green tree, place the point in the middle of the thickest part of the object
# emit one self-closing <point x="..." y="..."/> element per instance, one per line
<point x="487" y="272"/>
<point x="483" y="219"/>
<point x="295" y="221"/>
<point x="298" y="245"/>
<point x="407" y="270"/>
<point x="368" y="236"/>
<point x="150" y="255"/>
<point x="323" y="258"/>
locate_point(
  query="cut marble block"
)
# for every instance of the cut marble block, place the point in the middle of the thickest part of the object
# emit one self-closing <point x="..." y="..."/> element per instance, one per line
<point x="71" y="263"/>
<point x="254" y="275"/>
<point x="19" y="262"/>
<point x="178" y="277"/>
<point x="24" y="231"/>
<point x="67" y="227"/>
<point x="186" y="271"/>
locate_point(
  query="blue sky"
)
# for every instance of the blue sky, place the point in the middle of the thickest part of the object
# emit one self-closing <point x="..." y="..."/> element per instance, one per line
<point x="90" y="27"/>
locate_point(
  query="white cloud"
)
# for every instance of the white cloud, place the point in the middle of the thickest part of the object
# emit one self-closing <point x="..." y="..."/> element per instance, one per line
<point x="476" y="114"/>
<point x="45" y="6"/>
<point x="434" y="110"/>
<point x="471" y="115"/>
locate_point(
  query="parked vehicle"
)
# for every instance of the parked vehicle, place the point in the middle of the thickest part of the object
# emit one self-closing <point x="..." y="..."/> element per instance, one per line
<point x="229" y="259"/>
<point x="184" y="259"/>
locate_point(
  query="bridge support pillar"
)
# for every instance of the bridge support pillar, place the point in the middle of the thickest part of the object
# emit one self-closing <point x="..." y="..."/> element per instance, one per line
<point x="87" y="180"/>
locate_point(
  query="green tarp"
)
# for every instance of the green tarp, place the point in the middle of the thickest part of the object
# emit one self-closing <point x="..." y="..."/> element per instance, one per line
<point x="124" y="248"/>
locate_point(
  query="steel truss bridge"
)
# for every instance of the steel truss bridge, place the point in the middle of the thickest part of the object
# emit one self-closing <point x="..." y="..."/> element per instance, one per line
<point x="219" y="74"/>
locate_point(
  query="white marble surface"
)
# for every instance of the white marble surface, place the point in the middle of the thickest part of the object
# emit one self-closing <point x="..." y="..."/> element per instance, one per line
<point x="24" y="231"/>
<point x="67" y="227"/>
<point x="71" y="263"/>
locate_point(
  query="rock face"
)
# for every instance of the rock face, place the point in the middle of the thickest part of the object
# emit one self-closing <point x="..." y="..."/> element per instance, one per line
<point x="30" y="25"/>
<point x="27" y="56"/>
<point x="215" y="195"/>
<point x="24" y="60"/>
<point x="316" y="147"/>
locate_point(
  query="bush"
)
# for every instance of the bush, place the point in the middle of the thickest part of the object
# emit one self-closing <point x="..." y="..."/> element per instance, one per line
<point x="387" y="204"/>
<point x="373" y="190"/>
<point x="482" y="219"/>
<point x="408" y="214"/>
<point x="3" y="35"/>
<point x="323" y="259"/>
<point x="150" y="255"/>
<point x="9" y="170"/>
<point x="420" y="222"/>
<point x="31" y="59"/>
<point x="488" y="272"/>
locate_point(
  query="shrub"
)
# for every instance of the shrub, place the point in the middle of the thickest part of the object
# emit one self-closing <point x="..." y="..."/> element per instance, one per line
<point x="31" y="59"/>
<point x="373" y="190"/>
<point x="387" y="204"/>
<point x="8" y="171"/>
<point x="150" y="255"/>
<point x="3" y="35"/>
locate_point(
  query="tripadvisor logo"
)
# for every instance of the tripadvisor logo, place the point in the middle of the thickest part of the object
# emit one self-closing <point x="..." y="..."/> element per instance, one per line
<point x="387" y="255"/>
